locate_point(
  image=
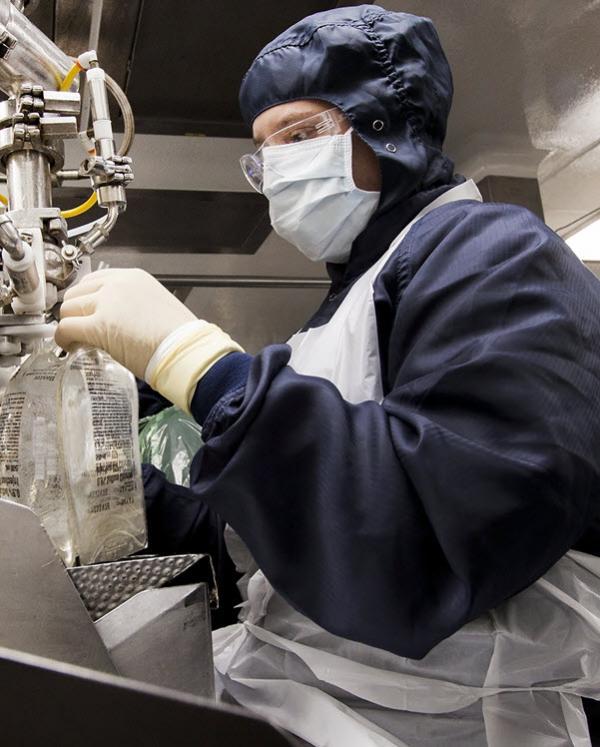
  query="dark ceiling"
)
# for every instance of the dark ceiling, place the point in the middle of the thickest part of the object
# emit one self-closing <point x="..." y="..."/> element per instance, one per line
<point x="181" y="62"/>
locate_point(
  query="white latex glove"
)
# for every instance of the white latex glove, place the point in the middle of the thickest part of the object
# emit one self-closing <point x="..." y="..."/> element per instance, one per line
<point x="143" y="326"/>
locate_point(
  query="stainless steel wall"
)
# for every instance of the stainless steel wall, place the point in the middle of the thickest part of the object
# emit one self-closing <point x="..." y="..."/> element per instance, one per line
<point x="256" y="317"/>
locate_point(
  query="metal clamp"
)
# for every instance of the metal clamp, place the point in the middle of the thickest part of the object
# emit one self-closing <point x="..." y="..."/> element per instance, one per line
<point x="115" y="171"/>
<point x="38" y="120"/>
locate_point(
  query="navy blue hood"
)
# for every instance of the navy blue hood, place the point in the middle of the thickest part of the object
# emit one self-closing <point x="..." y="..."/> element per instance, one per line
<point x="386" y="71"/>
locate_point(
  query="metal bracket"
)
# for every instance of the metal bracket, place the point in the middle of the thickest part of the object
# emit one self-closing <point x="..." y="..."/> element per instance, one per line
<point x="39" y="120"/>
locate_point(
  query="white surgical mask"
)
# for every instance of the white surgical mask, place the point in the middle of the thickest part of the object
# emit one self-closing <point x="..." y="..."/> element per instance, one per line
<point x="313" y="200"/>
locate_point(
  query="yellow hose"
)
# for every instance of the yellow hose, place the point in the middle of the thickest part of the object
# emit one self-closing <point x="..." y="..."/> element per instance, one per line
<point x="70" y="76"/>
<point x="74" y="212"/>
<point x="91" y="201"/>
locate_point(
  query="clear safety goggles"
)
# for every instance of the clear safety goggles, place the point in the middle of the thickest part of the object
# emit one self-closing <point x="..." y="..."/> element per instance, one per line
<point x="328" y="122"/>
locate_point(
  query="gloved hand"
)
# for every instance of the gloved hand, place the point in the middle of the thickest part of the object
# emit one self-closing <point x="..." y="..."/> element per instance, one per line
<point x="143" y="326"/>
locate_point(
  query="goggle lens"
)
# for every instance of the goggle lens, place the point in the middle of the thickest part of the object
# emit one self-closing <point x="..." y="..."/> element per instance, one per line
<point x="328" y="122"/>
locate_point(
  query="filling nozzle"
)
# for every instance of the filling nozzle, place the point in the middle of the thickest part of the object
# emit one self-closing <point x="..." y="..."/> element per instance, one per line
<point x="19" y="261"/>
<point x="10" y="239"/>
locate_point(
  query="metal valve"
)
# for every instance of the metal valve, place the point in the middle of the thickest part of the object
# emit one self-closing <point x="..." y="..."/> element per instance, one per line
<point x="106" y="171"/>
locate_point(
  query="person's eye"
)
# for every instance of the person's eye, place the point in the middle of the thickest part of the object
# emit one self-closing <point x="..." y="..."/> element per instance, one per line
<point x="300" y="134"/>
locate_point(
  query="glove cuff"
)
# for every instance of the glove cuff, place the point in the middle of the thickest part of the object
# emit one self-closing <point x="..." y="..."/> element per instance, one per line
<point x="184" y="357"/>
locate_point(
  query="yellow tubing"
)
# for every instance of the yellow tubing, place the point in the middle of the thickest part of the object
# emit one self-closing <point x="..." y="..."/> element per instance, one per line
<point x="70" y="76"/>
<point x="91" y="201"/>
<point x="73" y="212"/>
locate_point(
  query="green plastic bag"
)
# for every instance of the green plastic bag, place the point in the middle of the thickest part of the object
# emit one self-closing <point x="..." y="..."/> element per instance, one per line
<point x="169" y="440"/>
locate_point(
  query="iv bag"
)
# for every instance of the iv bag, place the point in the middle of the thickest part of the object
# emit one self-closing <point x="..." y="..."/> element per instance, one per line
<point x="99" y="409"/>
<point x="69" y="451"/>
<point x="31" y="459"/>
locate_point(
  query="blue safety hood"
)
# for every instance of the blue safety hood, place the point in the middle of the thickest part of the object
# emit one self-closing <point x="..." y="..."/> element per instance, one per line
<point x="386" y="71"/>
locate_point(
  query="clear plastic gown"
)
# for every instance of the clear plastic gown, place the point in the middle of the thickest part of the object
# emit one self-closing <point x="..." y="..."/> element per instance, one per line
<point x="514" y="676"/>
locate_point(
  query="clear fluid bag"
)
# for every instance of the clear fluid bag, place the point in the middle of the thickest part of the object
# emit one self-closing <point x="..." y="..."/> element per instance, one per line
<point x="99" y="409"/>
<point x="31" y="460"/>
<point x="69" y="451"/>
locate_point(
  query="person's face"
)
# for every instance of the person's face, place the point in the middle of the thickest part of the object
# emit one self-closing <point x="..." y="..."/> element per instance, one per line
<point x="365" y="167"/>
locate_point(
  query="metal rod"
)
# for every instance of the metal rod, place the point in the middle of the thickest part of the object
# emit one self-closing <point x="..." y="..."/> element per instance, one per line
<point x="105" y="146"/>
<point x="29" y="182"/>
<point x="93" y="43"/>
<point x="237" y="281"/>
<point x="69" y="174"/>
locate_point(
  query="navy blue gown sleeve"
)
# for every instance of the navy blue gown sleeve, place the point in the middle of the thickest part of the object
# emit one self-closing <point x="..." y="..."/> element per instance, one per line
<point x="395" y="523"/>
<point x="150" y="401"/>
<point x="179" y="523"/>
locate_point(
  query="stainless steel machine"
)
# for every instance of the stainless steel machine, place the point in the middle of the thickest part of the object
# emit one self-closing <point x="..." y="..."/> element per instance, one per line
<point x="41" y="257"/>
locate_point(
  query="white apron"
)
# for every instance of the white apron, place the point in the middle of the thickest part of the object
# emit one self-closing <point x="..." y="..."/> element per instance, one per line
<point x="511" y="678"/>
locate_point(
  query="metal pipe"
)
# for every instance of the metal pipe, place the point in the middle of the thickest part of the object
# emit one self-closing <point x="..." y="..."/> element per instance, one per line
<point x="34" y="58"/>
<point x="248" y="281"/>
<point x="100" y="233"/>
<point x="96" y="82"/>
<point x="26" y="281"/>
<point x="93" y="43"/>
<point x="70" y="174"/>
<point x="29" y="181"/>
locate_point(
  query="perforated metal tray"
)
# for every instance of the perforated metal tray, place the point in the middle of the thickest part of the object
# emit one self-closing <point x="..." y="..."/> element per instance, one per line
<point x="104" y="586"/>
